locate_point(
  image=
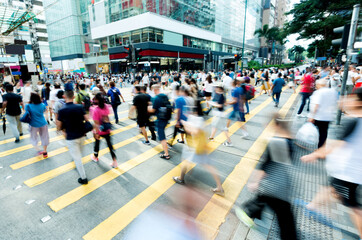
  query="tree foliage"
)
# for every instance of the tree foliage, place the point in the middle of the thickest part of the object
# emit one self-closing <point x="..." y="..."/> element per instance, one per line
<point x="315" y="19"/>
<point x="297" y="52"/>
<point x="271" y="34"/>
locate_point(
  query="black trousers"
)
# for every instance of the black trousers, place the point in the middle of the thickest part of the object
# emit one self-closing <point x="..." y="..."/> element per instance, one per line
<point x="323" y="131"/>
<point x="281" y="208"/>
<point x="109" y="144"/>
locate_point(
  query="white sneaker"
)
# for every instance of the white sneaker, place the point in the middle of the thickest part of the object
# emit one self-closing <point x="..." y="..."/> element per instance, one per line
<point x="244" y="134"/>
<point x="300" y="115"/>
<point x="228" y="144"/>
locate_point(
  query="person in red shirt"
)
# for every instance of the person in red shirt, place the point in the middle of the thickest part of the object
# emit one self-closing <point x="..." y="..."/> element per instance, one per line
<point x="306" y="91"/>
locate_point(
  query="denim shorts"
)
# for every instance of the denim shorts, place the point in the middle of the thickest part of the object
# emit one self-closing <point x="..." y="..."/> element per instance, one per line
<point x="161" y="125"/>
<point x="237" y="116"/>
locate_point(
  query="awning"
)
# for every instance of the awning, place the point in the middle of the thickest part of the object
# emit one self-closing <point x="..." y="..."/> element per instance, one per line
<point x="11" y="18"/>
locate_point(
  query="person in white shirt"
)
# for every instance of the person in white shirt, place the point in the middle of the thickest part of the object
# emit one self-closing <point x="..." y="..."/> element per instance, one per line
<point x="357" y="79"/>
<point x="53" y="98"/>
<point x="26" y="92"/>
<point x="323" y="105"/>
<point x="227" y="83"/>
<point x="145" y="80"/>
<point x="351" y="74"/>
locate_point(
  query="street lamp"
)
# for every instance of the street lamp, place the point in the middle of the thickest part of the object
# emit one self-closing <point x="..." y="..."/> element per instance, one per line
<point x="242" y="53"/>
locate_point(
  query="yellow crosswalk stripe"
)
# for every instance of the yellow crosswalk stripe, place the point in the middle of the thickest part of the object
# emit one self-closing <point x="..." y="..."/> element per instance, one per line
<point x="81" y="191"/>
<point x="65" y="149"/>
<point x="216" y="210"/>
<point x="10" y="140"/>
<point x="117" y="221"/>
<point x="29" y="146"/>
<point x="78" y="193"/>
<point x="70" y="166"/>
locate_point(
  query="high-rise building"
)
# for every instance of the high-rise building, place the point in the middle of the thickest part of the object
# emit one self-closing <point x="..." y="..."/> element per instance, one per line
<point x="88" y="33"/>
<point x="34" y="32"/>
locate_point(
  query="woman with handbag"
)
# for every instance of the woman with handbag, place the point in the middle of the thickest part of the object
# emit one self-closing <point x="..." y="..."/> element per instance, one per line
<point x="38" y="124"/>
<point x="102" y="127"/>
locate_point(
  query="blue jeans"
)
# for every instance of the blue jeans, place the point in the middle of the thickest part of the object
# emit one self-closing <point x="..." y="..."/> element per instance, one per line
<point x="277" y="97"/>
<point x="305" y="96"/>
<point x="114" y="107"/>
<point x="160" y="126"/>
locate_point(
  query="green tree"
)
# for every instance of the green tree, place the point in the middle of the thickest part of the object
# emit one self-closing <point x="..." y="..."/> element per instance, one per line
<point x="298" y="51"/>
<point x="315" y="19"/>
<point x="269" y="34"/>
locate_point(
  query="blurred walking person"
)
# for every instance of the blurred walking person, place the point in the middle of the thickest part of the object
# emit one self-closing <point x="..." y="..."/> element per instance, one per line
<point x="45" y="94"/>
<point x="272" y="182"/>
<point x="38" y="124"/>
<point x="12" y="103"/>
<point x="163" y="110"/>
<point x="102" y="127"/>
<point x="343" y="164"/>
<point x="277" y="89"/>
<point x="306" y="91"/>
<point x="115" y="95"/>
<point x="71" y="119"/>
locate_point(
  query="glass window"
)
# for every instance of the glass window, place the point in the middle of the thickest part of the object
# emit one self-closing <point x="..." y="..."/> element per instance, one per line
<point x="152" y="36"/>
<point x="145" y="33"/>
<point x="159" y="36"/>
<point x="126" y="38"/>
<point x="136" y="36"/>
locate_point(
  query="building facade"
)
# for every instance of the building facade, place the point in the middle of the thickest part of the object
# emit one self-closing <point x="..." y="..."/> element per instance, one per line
<point x="33" y="32"/>
<point x="93" y="33"/>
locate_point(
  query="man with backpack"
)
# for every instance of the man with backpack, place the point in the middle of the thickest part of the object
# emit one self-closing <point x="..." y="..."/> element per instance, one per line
<point x="277" y="89"/>
<point x="83" y="98"/>
<point x="163" y="110"/>
<point x="115" y="95"/>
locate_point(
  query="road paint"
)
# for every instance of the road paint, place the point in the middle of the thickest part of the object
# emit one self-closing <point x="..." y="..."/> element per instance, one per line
<point x="10" y="140"/>
<point x="58" y="151"/>
<point x="117" y="221"/>
<point x="30" y="146"/>
<point x="216" y="210"/>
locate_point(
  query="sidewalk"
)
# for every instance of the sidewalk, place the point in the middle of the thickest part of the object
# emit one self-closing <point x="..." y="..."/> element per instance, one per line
<point x="307" y="180"/>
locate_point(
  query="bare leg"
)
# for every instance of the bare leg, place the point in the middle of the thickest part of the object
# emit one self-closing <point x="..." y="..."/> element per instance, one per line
<point x="143" y="130"/>
<point x="322" y="197"/>
<point x="356" y="216"/>
<point x="213" y="132"/>
<point x="216" y="177"/>
<point x="164" y="146"/>
<point x="227" y="136"/>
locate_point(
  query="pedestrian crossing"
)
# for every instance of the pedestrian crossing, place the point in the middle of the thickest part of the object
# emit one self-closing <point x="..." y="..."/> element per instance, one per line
<point x="116" y="222"/>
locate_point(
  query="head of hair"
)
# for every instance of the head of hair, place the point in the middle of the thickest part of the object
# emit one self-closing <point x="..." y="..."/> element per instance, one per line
<point x="60" y="94"/>
<point x="138" y="88"/>
<point x="280" y="74"/>
<point x="9" y="87"/>
<point x="100" y="100"/>
<point x="185" y="90"/>
<point x="281" y="123"/>
<point x="227" y="73"/>
<point x="35" y="98"/>
<point x="69" y="94"/>
<point x="247" y="80"/>
<point x="82" y="86"/>
<point x="209" y="79"/>
<point x="112" y="84"/>
<point x="57" y="85"/>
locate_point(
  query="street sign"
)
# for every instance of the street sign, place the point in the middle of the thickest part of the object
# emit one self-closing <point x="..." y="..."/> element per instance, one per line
<point x="321" y="58"/>
<point x="45" y="70"/>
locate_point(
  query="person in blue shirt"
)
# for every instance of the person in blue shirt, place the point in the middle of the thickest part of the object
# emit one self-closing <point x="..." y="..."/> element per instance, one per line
<point x="238" y="102"/>
<point x="277" y="89"/>
<point x="115" y="95"/>
<point x="161" y="123"/>
<point x="181" y="103"/>
<point x="38" y="124"/>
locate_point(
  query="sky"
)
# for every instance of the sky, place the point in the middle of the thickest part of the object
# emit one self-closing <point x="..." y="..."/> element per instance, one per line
<point x="292" y="39"/>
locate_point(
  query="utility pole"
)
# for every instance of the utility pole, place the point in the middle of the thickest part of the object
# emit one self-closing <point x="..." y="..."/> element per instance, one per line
<point x="351" y="37"/>
<point x="242" y="53"/>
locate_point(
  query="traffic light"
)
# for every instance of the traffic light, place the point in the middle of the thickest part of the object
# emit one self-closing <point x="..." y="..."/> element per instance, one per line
<point x="329" y="52"/>
<point x="128" y="49"/>
<point x="138" y="56"/>
<point x="237" y="57"/>
<point x="342" y="42"/>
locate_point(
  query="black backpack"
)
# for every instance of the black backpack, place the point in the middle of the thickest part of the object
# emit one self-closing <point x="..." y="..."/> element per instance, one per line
<point x="165" y="112"/>
<point x="116" y="99"/>
<point x="86" y="101"/>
